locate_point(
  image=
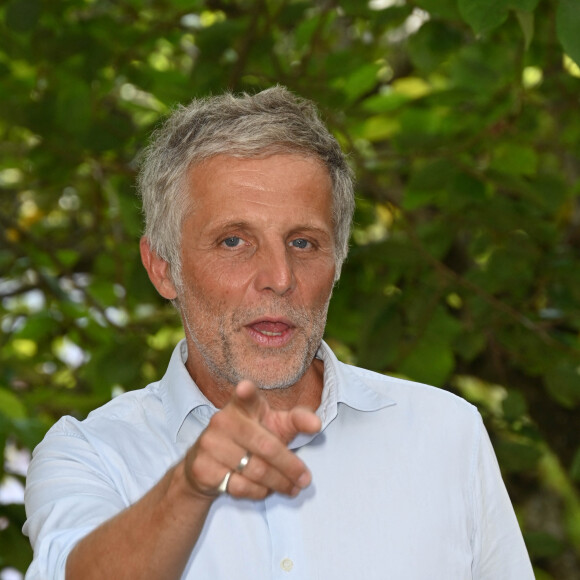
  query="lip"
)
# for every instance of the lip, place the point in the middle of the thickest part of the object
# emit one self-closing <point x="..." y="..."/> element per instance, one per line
<point x="270" y="331"/>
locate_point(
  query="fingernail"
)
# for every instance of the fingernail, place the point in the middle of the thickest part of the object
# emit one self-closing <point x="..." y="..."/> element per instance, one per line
<point x="295" y="491"/>
<point x="304" y="480"/>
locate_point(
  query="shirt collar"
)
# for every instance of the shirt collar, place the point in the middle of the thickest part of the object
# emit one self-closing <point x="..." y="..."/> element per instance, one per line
<point x="181" y="396"/>
<point x="342" y="386"/>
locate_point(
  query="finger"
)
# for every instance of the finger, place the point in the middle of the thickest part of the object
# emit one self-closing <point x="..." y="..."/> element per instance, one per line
<point x="221" y="449"/>
<point x="247" y="398"/>
<point x="240" y="487"/>
<point x="255" y="481"/>
<point x="203" y="473"/>
<point x="288" y="424"/>
<point x="213" y="455"/>
<point x="259" y="472"/>
<point x="229" y="436"/>
<point x="274" y="454"/>
<point x="305" y="421"/>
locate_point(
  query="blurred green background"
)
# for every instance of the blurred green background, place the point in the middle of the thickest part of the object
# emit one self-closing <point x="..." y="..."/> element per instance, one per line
<point x="461" y="119"/>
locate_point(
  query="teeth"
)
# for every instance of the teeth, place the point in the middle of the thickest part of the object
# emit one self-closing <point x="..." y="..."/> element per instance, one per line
<point x="270" y="333"/>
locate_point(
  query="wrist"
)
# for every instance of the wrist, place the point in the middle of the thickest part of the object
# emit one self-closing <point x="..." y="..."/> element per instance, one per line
<point x="183" y="486"/>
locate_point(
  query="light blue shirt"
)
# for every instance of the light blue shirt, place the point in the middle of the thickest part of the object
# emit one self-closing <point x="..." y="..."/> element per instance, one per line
<point x="405" y="486"/>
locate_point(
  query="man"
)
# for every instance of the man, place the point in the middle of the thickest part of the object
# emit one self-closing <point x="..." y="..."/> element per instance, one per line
<point x="258" y="455"/>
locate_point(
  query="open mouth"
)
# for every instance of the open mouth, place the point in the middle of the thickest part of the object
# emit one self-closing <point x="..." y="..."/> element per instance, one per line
<point x="270" y="328"/>
<point x="271" y="332"/>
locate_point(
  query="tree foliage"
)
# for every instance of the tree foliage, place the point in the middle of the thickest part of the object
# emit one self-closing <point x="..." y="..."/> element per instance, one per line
<point x="460" y="119"/>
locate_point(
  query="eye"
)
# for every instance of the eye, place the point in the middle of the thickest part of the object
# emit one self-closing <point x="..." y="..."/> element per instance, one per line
<point x="232" y="242"/>
<point x="300" y="243"/>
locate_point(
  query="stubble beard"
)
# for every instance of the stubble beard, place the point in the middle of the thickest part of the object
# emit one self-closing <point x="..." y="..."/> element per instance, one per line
<point x="269" y="368"/>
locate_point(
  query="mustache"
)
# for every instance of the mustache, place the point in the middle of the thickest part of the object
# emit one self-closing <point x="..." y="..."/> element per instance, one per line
<point x="296" y="315"/>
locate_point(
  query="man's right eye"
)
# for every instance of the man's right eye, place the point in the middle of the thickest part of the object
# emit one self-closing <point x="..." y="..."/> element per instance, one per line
<point x="232" y="242"/>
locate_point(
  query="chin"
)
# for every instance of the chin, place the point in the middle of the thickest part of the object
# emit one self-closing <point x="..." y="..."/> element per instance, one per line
<point x="272" y="385"/>
<point x="275" y="378"/>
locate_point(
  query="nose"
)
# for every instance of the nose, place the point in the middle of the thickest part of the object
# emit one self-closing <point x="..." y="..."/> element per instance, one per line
<point x="275" y="271"/>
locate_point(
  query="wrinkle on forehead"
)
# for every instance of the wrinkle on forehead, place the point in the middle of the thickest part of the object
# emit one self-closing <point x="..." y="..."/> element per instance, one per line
<point x="287" y="192"/>
<point x="235" y="171"/>
<point x="252" y="183"/>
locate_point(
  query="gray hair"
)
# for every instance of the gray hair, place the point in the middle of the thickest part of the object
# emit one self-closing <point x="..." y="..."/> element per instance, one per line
<point x="274" y="121"/>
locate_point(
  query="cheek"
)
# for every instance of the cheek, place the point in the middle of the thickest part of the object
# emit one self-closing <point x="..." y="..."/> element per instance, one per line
<point x="208" y="272"/>
<point x="317" y="286"/>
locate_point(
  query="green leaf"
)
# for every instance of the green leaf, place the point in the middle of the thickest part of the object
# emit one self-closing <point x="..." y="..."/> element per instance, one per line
<point x="575" y="466"/>
<point x="37" y="326"/>
<point x="68" y="257"/>
<point x="306" y="29"/>
<point x="29" y="432"/>
<point x="523" y="5"/>
<point x="73" y="110"/>
<point x="466" y="190"/>
<point x="567" y="27"/>
<point x="22" y="15"/>
<point x="433" y="44"/>
<point x="427" y="181"/>
<point x="526" y="20"/>
<point x="543" y="545"/>
<point x="384" y="103"/>
<point x="16" y="551"/>
<point x="515" y="159"/>
<point x="10" y="405"/>
<point x="432" y="359"/>
<point x="484" y="15"/>
<point x="440" y="8"/>
<point x="514" y="456"/>
<point x="360" y="82"/>
<point x="563" y="383"/>
<point x="430" y="362"/>
<point x="380" y="343"/>
<point x="514" y="406"/>
<point x="378" y="128"/>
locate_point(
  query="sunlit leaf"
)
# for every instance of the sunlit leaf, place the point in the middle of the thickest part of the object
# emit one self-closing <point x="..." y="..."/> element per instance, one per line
<point x="567" y="26"/>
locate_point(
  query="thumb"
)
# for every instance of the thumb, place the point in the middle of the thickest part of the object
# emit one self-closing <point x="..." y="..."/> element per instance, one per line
<point x="305" y="421"/>
<point x="287" y="424"/>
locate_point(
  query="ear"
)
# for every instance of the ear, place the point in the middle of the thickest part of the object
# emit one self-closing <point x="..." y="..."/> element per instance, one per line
<point x="158" y="270"/>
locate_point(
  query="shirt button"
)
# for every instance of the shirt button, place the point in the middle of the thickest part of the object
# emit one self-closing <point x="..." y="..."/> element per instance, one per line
<point x="286" y="564"/>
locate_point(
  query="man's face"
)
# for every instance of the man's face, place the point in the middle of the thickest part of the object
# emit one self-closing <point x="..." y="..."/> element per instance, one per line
<point x="258" y="267"/>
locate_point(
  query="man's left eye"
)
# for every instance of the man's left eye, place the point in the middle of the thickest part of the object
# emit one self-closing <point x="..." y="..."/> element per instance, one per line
<point x="300" y="243"/>
<point x="232" y="242"/>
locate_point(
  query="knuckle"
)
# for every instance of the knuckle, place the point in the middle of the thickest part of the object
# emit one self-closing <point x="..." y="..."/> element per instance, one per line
<point x="207" y="441"/>
<point x="259" y="470"/>
<point x="198" y="474"/>
<point x="218" y="421"/>
<point x="242" y="488"/>
<point x="266" y="447"/>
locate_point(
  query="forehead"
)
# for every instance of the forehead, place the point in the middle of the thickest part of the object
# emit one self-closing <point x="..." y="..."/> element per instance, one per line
<point x="286" y="183"/>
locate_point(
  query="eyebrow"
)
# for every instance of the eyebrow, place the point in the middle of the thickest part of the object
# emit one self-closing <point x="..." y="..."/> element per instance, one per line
<point x="244" y="225"/>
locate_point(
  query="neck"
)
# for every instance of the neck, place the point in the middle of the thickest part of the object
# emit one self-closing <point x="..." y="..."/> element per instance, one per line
<point x="307" y="392"/>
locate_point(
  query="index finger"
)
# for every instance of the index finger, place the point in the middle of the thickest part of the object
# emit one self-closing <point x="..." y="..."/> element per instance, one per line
<point x="248" y="398"/>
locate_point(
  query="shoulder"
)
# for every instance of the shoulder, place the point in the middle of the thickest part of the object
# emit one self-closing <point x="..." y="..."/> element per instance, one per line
<point x="408" y="394"/>
<point x="419" y="416"/>
<point x="367" y="390"/>
<point x="127" y="412"/>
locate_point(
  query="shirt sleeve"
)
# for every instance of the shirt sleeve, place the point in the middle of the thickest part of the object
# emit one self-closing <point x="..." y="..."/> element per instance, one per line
<point x="499" y="549"/>
<point x="68" y="494"/>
